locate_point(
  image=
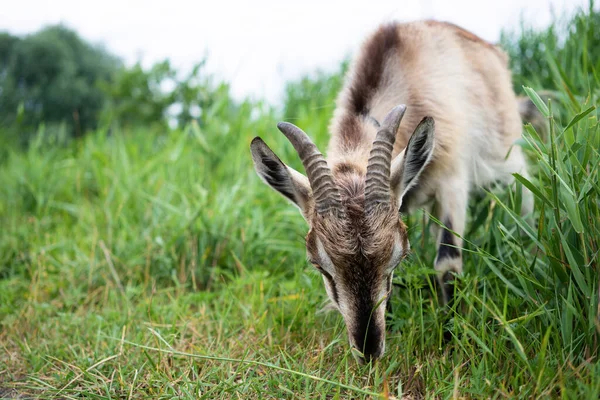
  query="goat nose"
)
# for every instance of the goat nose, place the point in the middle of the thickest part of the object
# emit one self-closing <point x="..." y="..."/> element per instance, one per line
<point x="365" y="357"/>
<point x="358" y="355"/>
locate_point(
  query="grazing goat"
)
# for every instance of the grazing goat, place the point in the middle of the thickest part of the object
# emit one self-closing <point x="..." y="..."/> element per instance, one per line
<point x="423" y="72"/>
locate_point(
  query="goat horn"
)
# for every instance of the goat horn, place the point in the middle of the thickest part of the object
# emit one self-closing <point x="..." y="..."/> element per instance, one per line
<point x="377" y="181"/>
<point x="325" y="193"/>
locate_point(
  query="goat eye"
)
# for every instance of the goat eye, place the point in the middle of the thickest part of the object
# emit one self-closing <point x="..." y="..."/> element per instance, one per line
<point x="316" y="265"/>
<point x="396" y="263"/>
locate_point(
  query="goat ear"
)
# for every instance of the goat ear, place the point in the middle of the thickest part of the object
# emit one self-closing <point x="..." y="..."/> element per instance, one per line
<point x="287" y="181"/>
<point x="408" y="165"/>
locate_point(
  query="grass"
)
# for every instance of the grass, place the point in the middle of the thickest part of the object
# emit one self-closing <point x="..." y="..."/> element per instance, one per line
<point x="156" y="265"/>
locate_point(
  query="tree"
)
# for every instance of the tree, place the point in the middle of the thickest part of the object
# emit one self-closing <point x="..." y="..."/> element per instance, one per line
<point x="137" y="97"/>
<point x="54" y="75"/>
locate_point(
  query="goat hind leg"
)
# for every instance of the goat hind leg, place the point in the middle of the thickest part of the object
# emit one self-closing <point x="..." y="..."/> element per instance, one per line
<point x="452" y="201"/>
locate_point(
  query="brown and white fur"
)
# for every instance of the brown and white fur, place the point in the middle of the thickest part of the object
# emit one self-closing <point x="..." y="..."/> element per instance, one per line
<point x="377" y="166"/>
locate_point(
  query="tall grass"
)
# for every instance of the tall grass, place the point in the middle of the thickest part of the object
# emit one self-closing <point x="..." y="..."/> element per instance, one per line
<point x="138" y="264"/>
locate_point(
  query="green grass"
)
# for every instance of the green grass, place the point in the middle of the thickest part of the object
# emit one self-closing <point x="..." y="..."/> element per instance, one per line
<point x="156" y="265"/>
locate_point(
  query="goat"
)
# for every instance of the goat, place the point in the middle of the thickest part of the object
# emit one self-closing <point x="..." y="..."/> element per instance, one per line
<point x="453" y="93"/>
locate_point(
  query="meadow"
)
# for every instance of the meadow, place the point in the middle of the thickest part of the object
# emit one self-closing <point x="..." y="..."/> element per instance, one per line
<point x="147" y="263"/>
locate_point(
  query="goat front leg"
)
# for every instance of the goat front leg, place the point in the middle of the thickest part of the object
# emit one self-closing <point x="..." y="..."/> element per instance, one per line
<point x="451" y="203"/>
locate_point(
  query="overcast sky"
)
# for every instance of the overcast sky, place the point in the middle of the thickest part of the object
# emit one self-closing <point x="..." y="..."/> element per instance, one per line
<point x="257" y="45"/>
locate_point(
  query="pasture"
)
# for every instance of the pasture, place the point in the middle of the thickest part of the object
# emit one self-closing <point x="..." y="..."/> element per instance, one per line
<point x="145" y="263"/>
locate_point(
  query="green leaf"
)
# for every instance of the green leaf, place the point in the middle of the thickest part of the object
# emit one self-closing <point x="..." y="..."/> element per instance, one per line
<point x="539" y="103"/>
<point x="525" y="182"/>
<point x="579" y="117"/>
<point x="579" y="278"/>
<point x="500" y="275"/>
<point x="570" y="204"/>
<point x="538" y="140"/>
<point x="519" y="221"/>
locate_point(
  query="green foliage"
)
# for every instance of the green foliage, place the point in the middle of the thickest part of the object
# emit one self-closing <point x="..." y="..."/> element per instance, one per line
<point x="315" y="93"/>
<point x="136" y="265"/>
<point x="157" y="96"/>
<point x="564" y="55"/>
<point x="136" y="97"/>
<point x="7" y="43"/>
<point x="55" y="79"/>
<point x="53" y="75"/>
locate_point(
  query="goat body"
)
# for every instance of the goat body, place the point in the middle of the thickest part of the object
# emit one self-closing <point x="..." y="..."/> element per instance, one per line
<point x="460" y="117"/>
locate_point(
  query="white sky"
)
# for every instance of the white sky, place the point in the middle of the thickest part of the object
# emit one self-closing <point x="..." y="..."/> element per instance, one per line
<point x="257" y="45"/>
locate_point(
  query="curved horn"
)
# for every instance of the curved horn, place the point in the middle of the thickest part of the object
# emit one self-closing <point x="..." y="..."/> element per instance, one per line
<point x="377" y="183"/>
<point x="325" y="192"/>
